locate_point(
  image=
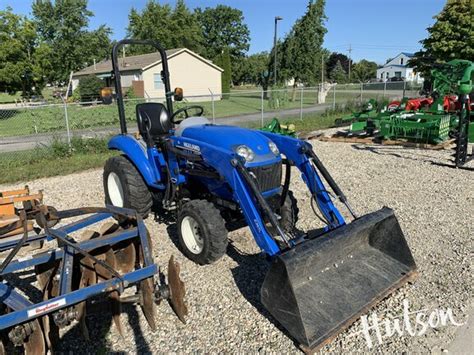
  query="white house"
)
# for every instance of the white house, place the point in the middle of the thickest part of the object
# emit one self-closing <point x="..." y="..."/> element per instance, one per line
<point x="398" y="67"/>
<point x="188" y="70"/>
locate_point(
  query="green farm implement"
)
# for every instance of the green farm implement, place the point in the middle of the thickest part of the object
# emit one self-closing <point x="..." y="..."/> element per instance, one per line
<point x="369" y="110"/>
<point x="284" y="129"/>
<point x="432" y="119"/>
<point x="417" y="126"/>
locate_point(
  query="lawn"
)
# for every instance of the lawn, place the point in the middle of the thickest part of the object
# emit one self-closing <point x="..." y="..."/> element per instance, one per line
<point x="42" y="119"/>
<point x="46" y="93"/>
<point x="60" y="159"/>
<point x="7" y="98"/>
<point x="56" y="159"/>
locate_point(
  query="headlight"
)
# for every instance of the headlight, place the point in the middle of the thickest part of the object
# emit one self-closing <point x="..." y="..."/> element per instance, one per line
<point x="245" y="152"/>
<point x="273" y="147"/>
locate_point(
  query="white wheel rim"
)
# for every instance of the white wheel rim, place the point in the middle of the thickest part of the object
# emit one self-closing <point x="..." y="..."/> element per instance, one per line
<point x="115" y="190"/>
<point x="191" y="233"/>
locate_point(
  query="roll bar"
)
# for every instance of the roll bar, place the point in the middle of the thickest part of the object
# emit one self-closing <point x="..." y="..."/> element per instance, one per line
<point x="165" y="76"/>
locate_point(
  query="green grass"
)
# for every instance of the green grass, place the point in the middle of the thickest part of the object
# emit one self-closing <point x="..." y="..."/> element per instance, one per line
<point x="47" y="94"/>
<point x="60" y="159"/>
<point x="7" y="98"/>
<point x="25" y="121"/>
<point x="57" y="159"/>
<point x="52" y="167"/>
<point x="310" y="121"/>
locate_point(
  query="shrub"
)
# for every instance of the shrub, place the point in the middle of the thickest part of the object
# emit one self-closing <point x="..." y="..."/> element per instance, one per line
<point x="278" y="98"/>
<point x="130" y="93"/>
<point x="223" y="60"/>
<point x="89" y="145"/>
<point x="89" y="88"/>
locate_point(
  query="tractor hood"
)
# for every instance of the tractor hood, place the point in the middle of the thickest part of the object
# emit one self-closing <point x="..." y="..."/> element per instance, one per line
<point x="230" y="137"/>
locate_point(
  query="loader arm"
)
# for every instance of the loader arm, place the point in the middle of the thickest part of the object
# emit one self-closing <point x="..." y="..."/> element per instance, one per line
<point x="250" y="199"/>
<point x="299" y="153"/>
<point x="221" y="160"/>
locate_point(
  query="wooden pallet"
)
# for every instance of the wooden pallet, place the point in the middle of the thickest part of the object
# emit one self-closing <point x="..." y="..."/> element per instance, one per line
<point x="371" y="140"/>
<point x="10" y="202"/>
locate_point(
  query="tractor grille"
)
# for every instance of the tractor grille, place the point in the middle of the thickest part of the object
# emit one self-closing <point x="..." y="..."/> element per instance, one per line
<point x="268" y="176"/>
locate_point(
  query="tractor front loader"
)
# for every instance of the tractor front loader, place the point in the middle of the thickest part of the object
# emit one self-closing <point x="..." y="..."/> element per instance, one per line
<point x="216" y="176"/>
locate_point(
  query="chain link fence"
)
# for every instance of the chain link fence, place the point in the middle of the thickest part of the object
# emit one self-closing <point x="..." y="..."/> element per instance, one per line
<point x="27" y="126"/>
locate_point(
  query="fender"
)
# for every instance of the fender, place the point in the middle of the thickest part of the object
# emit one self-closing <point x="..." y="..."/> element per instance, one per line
<point x="133" y="150"/>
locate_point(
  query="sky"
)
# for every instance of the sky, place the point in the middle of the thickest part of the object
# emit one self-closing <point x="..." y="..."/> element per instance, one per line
<point x="375" y="29"/>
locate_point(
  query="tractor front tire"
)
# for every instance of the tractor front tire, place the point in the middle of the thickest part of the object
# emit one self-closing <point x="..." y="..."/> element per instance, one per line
<point x="124" y="186"/>
<point x="201" y="232"/>
<point x="289" y="212"/>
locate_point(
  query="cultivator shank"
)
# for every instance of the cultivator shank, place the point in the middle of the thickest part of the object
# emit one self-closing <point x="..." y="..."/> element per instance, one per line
<point x="71" y="277"/>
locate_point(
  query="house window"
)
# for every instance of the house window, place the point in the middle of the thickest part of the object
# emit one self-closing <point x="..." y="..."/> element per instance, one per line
<point x="157" y="81"/>
<point x="387" y="75"/>
<point x="136" y="77"/>
<point x="401" y="61"/>
<point x="398" y="74"/>
<point x="381" y="75"/>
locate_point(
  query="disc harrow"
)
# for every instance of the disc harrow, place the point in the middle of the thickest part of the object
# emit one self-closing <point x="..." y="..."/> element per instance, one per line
<point x="83" y="269"/>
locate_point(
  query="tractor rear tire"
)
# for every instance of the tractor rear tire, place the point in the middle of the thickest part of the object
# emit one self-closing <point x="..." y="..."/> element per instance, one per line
<point x="124" y="186"/>
<point x="289" y="212"/>
<point x="201" y="232"/>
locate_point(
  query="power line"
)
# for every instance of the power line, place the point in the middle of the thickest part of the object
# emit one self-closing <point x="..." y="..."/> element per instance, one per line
<point x="375" y="45"/>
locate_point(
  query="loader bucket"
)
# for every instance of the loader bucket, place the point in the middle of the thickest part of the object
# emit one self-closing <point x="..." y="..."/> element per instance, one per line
<point x="321" y="286"/>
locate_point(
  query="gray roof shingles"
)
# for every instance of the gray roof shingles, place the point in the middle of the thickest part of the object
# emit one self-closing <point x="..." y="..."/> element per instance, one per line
<point x="135" y="62"/>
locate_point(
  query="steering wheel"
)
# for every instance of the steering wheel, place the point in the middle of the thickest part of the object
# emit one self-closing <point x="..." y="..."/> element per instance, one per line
<point x="199" y="112"/>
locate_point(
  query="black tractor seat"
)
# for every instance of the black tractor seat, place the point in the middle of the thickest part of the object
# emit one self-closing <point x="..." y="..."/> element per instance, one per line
<point x="154" y="121"/>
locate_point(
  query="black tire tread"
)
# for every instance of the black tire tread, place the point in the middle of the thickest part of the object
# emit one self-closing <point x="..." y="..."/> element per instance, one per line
<point x="215" y="224"/>
<point x="140" y="198"/>
<point x="291" y="205"/>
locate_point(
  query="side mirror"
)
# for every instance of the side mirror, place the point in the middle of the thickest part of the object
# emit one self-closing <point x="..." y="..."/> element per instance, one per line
<point x="178" y="94"/>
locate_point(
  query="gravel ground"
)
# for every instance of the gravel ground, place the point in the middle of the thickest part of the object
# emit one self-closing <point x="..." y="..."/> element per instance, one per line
<point x="435" y="208"/>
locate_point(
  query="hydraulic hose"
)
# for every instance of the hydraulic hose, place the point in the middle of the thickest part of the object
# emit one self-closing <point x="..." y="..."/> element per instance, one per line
<point x="325" y="173"/>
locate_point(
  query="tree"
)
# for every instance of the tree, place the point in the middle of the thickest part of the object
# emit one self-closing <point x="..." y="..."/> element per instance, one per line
<point x="338" y="74"/>
<point x="89" y="88"/>
<point x="337" y="57"/>
<point x="24" y="64"/>
<point x="96" y="45"/>
<point x="223" y="27"/>
<point x="151" y="23"/>
<point x="63" y="26"/>
<point x="41" y="65"/>
<point x="13" y="58"/>
<point x="451" y="37"/>
<point x="173" y="28"/>
<point x="223" y="60"/>
<point x="186" y="28"/>
<point x="364" y="70"/>
<point x="302" y="47"/>
<point x="251" y="69"/>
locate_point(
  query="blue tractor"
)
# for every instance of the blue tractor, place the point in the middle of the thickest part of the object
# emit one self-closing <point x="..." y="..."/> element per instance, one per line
<point x="217" y="176"/>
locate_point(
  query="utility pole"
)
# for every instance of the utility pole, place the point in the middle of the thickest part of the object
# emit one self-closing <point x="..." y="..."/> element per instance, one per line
<point x="123" y="56"/>
<point x="322" y="68"/>
<point x="350" y="51"/>
<point x="277" y="18"/>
